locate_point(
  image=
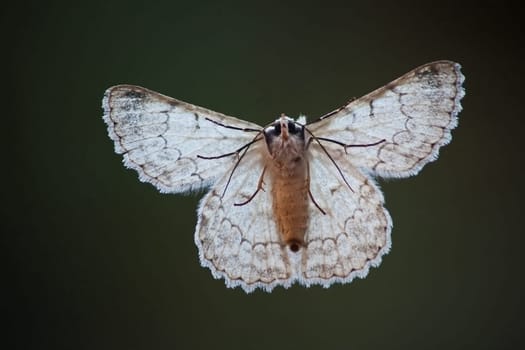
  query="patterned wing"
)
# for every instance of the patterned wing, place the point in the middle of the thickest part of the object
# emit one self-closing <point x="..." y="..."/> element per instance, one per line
<point x="355" y="231"/>
<point x="413" y="114"/>
<point x="161" y="137"/>
<point x="240" y="243"/>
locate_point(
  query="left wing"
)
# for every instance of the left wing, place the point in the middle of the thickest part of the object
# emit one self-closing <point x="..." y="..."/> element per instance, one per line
<point x="163" y="139"/>
<point x="240" y="243"/>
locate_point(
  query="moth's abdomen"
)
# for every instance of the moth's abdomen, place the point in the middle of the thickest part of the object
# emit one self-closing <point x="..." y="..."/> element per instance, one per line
<point x="290" y="207"/>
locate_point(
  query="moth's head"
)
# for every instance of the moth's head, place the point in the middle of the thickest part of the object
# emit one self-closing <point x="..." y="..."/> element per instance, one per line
<point x="284" y="128"/>
<point x="285" y="140"/>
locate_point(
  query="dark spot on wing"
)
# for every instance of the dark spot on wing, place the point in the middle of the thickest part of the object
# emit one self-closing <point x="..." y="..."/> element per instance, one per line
<point x="134" y="94"/>
<point x="429" y="75"/>
<point x="197" y="126"/>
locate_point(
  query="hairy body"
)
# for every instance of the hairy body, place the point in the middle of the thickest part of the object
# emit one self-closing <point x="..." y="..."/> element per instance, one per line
<point x="288" y="169"/>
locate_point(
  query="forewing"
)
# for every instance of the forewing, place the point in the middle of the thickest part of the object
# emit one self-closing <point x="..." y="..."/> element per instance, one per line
<point x="413" y="114"/>
<point x="161" y="137"/>
<point x="354" y="231"/>
<point x="240" y="243"/>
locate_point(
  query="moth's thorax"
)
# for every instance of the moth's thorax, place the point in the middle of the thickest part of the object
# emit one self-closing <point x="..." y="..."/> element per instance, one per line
<point x="288" y="170"/>
<point x="286" y="143"/>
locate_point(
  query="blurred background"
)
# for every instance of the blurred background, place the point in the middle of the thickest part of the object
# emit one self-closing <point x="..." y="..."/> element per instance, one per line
<point x="97" y="260"/>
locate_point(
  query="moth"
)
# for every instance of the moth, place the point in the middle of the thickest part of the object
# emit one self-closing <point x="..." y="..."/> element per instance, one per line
<point x="293" y="201"/>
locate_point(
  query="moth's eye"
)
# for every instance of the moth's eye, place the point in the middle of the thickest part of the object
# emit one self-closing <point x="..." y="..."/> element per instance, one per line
<point x="293" y="128"/>
<point x="277" y="129"/>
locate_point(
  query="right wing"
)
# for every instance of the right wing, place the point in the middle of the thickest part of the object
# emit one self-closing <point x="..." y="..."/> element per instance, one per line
<point x="162" y="138"/>
<point x="403" y="123"/>
<point x="353" y="233"/>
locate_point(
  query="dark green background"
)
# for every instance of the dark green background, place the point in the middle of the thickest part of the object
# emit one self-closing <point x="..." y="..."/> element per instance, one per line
<point x="98" y="260"/>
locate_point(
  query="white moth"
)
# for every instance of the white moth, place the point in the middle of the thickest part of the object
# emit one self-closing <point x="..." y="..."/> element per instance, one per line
<point x="291" y="201"/>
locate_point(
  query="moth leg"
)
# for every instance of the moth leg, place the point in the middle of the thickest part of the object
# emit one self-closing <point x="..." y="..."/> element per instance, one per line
<point x="313" y="137"/>
<point x="259" y="187"/>
<point x="310" y="192"/>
